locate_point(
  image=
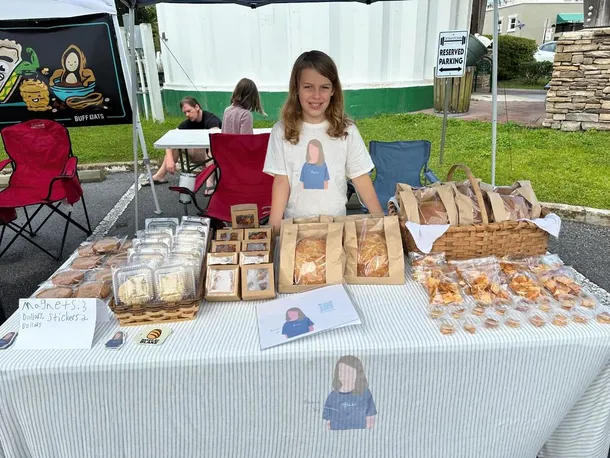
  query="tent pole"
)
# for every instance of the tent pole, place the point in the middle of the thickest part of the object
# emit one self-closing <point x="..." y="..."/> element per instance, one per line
<point x="494" y="96"/>
<point x="134" y="104"/>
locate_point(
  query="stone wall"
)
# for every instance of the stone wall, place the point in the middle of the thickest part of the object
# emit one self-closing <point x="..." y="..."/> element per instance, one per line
<point x="579" y="97"/>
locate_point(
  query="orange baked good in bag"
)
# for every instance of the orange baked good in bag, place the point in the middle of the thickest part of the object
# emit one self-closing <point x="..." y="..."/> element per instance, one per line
<point x="310" y="261"/>
<point x="373" y="255"/>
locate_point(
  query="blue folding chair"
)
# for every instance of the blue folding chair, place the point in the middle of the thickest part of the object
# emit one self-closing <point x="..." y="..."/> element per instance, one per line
<point x="398" y="162"/>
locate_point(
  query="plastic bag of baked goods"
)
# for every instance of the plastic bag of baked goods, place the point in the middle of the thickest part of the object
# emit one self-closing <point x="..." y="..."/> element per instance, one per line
<point x="560" y="282"/>
<point x="311" y="255"/>
<point x="430" y="205"/>
<point x="485" y="284"/>
<point x="374" y="252"/>
<point x="512" y="203"/>
<point x="469" y="208"/>
<point x="442" y="290"/>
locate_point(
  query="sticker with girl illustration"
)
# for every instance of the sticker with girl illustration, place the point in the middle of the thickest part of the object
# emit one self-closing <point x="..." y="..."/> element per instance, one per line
<point x="350" y="404"/>
<point x="296" y="324"/>
<point x="314" y="174"/>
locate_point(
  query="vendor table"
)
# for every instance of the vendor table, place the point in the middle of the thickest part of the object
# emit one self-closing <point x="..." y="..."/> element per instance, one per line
<point x="209" y="391"/>
<point x="183" y="139"/>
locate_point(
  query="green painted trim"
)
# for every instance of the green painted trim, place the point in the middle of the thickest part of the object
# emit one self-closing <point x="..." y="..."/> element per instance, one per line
<point x="361" y="103"/>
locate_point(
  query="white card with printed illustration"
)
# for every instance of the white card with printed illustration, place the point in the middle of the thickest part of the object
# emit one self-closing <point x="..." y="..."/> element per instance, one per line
<point x="301" y="315"/>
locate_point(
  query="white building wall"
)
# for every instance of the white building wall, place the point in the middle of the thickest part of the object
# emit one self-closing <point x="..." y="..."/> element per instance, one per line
<point x="387" y="44"/>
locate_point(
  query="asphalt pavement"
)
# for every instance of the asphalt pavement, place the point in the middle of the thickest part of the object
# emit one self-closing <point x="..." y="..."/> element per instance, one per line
<point x="24" y="267"/>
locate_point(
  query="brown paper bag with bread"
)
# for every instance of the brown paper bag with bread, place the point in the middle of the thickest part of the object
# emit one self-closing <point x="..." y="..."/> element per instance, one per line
<point x="374" y="254"/>
<point x="311" y="255"/>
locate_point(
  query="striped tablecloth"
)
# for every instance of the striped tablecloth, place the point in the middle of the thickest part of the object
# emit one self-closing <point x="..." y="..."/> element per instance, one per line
<point x="209" y="391"/>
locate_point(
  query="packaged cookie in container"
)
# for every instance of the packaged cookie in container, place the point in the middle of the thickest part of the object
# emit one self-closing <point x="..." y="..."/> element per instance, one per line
<point x="225" y="247"/>
<point x="195" y="221"/>
<point x="258" y="282"/>
<point x="190" y="260"/>
<point x="222" y="283"/>
<point x="162" y="223"/>
<point x="89" y="262"/>
<point x="256" y="245"/>
<point x="154" y="235"/>
<point x="374" y="252"/>
<point x="311" y="255"/>
<point x="244" y="216"/>
<point x="133" y="285"/>
<point x="55" y="292"/>
<point x="149" y="257"/>
<point x="261" y="233"/>
<point x="94" y="290"/>
<point x="233" y="235"/>
<point x="146" y="246"/>
<point x="253" y="257"/>
<point x="190" y="232"/>
<point x="220" y="259"/>
<point x="174" y="283"/>
<point x="68" y="277"/>
<point x="108" y="245"/>
<point x="182" y="245"/>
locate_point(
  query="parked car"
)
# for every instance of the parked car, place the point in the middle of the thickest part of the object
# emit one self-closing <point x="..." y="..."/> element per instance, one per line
<point x="546" y="52"/>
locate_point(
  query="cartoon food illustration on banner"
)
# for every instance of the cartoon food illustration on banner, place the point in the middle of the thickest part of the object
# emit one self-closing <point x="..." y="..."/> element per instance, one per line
<point x="13" y="67"/>
<point x="74" y="83"/>
<point x="350" y="404"/>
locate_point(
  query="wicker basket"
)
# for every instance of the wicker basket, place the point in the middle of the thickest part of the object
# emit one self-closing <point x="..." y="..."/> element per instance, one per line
<point x="165" y="312"/>
<point x="517" y="238"/>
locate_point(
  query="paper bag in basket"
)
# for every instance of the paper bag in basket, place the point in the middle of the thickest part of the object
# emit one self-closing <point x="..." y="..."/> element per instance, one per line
<point x="311" y="255"/>
<point x="374" y="254"/>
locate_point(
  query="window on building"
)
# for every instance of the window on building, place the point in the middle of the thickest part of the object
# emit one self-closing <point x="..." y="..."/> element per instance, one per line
<point x="512" y="23"/>
<point x="500" y="20"/>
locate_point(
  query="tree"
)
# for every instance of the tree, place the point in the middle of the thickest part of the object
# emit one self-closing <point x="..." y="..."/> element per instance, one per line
<point x="477" y="18"/>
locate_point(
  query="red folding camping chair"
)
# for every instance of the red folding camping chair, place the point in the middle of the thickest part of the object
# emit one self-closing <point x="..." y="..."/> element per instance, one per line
<point x="44" y="175"/>
<point x="238" y="161"/>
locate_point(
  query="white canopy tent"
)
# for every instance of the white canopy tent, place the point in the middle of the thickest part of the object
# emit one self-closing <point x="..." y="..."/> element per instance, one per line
<point x="40" y="9"/>
<point x="51" y="9"/>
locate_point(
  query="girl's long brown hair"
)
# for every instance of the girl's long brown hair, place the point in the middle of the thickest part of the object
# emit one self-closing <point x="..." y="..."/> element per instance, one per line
<point x="246" y="96"/>
<point x="292" y="112"/>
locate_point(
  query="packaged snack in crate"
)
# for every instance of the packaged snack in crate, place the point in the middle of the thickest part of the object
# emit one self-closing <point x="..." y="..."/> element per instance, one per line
<point x="133" y="285"/>
<point x="174" y="282"/>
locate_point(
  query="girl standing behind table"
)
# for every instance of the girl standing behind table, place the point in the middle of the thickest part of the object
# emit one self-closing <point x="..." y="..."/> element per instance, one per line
<point x="315" y="147"/>
<point x="238" y="117"/>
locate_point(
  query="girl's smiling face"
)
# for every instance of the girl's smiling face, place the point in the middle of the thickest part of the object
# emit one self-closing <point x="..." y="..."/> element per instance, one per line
<point x="314" y="154"/>
<point x="293" y="315"/>
<point x="347" y="377"/>
<point x="314" y="94"/>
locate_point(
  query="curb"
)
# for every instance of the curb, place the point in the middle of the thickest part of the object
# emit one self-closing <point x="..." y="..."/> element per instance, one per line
<point x="587" y="215"/>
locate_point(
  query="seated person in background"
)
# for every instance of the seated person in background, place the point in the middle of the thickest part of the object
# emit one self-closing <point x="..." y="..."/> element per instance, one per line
<point x="238" y="117"/>
<point x="196" y="118"/>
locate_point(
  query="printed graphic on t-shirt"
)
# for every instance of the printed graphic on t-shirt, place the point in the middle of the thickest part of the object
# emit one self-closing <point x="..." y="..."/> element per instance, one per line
<point x="350" y="404"/>
<point x="314" y="174"/>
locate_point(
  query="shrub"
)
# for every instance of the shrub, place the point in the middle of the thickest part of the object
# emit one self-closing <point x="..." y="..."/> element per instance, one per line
<point x="512" y="52"/>
<point x="534" y="72"/>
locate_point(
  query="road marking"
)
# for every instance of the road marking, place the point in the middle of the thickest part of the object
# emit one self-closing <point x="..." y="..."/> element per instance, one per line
<point x="113" y="215"/>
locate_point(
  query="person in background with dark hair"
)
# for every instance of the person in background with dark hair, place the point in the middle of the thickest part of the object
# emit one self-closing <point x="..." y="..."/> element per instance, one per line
<point x="196" y="118"/>
<point x="238" y="117"/>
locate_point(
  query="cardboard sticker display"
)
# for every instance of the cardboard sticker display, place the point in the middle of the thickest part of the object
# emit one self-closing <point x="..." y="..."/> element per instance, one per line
<point x="230" y="235"/>
<point x="244" y="216"/>
<point x="258" y="282"/>
<point x="253" y="257"/>
<point x="256" y="245"/>
<point x="218" y="259"/>
<point x="222" y="283"/>
<point x="225" y="247"/>
<point x="262" y="233"/>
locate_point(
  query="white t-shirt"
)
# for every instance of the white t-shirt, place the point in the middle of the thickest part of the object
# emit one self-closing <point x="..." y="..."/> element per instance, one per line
<point x="318" y="184"/>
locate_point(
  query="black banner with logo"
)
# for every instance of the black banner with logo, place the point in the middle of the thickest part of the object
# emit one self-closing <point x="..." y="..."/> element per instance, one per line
<point x="67" y="69"/>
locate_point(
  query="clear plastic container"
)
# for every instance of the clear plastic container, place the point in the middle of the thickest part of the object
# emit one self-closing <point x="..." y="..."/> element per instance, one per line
<point x="457" y="311"/>
<point x="560" y="318"/>
<point x="162" y="223"/>
<point x="479" y="309"/>
<point x="471" y="324"/>
<point x="174" y="282"/>
<point x="195" y="221"/>
<point x="582" y="315"/>
<point x="448" y="326"/>
<point x="560" y="282"/>
<point x="538" y="318"/>
<point x="133" y="285"/>
<point x="116" y="260"/>
<point x="189" y="250"/>
<point x="152" y="258"/>
<point x="68" y="277"/>
<point x="155" y="236"/>
<point x="146" y="246"/>
<point x="513" y="319"/>
<point x="193" y="231"/>
<point x="603" y="317"/>
<point x="437" y="312"/>
<point x="492" y="320"/>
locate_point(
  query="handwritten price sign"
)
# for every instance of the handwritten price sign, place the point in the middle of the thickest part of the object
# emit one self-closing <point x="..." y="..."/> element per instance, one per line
<point x="51" y="324"/>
